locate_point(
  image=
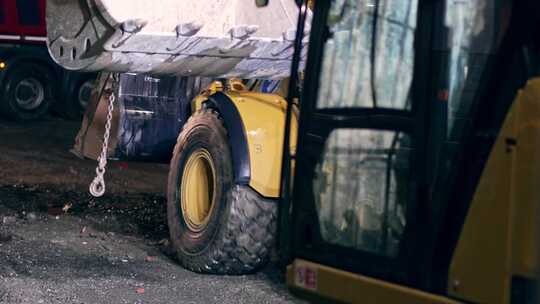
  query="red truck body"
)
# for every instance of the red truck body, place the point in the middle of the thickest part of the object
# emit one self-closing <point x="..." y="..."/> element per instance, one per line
<point x="23" y="21"/>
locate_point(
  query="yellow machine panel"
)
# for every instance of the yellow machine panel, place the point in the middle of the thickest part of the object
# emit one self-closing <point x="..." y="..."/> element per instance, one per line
<point x="345" y="287"/>
<point x="499" y="238"/>
<point x="526" y="183"/>
<point x="263" y="117"/>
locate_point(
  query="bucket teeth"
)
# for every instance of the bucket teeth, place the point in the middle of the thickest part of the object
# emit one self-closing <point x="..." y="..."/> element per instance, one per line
<point x="188" y="29"/>
<point x="208" y="38"/>
<point x="133" y="26"/>
<point x="243" y="31"/>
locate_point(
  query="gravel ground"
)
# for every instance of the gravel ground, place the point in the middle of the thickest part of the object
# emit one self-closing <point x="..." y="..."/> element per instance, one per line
<point x="59" y="245"/>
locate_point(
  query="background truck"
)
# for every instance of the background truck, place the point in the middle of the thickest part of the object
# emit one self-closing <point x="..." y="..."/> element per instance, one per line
<point x="30" y="82"/>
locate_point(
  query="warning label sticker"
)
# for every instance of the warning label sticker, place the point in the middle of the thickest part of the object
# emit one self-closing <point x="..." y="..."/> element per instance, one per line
<point x="305" y="276"/>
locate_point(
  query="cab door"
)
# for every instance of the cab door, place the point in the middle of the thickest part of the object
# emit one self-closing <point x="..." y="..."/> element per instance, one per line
<point x="396" y="95"/>
<point x="359" y="168"/>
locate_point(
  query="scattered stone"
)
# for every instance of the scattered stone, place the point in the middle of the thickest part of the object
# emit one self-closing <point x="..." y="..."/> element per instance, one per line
<point x="67" y="207"/>
<point x="105" y="247"/>
<point x="31" y="216"/>
<point x="150" y="258"/>
<point x="8" y="220"/>
<point x="164" y="242"/>
<point x="72" y="171"/>
<point x="5" y="237"/>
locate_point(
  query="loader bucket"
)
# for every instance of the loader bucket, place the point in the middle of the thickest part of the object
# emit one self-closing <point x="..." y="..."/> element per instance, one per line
<point x="213" y="38"/>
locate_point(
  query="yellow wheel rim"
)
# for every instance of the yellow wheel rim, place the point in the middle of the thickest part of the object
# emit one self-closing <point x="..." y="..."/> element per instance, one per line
<point x="197" y="189"/>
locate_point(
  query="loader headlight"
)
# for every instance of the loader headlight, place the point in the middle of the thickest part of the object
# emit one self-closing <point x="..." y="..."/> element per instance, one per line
<point x="3" y="65"/>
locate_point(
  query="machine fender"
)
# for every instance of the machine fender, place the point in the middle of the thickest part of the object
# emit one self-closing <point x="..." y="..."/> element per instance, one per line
<point x="237" y="136"/>
<point x="255" y="124"/>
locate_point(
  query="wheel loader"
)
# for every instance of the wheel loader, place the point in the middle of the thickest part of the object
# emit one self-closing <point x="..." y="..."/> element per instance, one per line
<point x="224" y="179"/>
<point x="403" y="166"/>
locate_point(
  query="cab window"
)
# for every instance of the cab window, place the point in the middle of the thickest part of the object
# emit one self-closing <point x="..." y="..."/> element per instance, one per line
<point x="2" y="12"/>
<point x="362" y="180"/>
<point x="473" y="28"/>
<point x="360" y="69"/>
<point x="28" y="12"/>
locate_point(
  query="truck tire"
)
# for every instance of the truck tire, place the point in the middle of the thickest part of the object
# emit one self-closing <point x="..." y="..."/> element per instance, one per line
<point x="75" y="101"/>
<point x="27" y="92"/>
<point x="215" y="225"/>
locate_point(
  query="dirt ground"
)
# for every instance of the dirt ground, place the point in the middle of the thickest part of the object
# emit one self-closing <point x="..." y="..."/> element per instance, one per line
<point x="59" y="245"/>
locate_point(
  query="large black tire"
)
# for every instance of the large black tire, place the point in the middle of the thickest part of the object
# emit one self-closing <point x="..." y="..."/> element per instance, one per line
<point x="241" y="227"/>
<point x="27" y="92"/>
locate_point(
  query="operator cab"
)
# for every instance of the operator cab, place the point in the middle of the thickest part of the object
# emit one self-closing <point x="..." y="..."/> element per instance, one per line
<point x="395" y="88"/>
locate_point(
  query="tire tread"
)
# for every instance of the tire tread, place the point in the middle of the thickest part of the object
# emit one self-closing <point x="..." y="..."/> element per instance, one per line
<point x="246" y="236"/>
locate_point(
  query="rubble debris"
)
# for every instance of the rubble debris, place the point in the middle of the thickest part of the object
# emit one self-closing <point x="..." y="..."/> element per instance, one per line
<point x="72" y="171"/>
<point x="83" y="231"/>
<point x="164" y="242"/>
<point x="67" y="207"/>
<point x="150" y="258"/>
<point x="31" y="216"/>
<point x="5" y="237"/>
<point x="8" y="220"/>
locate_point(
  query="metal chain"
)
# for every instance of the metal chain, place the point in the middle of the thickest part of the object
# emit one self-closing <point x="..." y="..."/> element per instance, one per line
<point x="97" y="187"/>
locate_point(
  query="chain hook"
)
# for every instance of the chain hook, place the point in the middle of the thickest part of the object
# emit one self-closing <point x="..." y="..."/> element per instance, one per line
<point x="97" y="187"/>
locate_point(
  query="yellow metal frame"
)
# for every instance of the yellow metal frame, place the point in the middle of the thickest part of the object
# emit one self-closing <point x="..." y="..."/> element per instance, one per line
<point x="263" y="117"/>
<point x="346" y="287"/>
<point x="500" y="235"/>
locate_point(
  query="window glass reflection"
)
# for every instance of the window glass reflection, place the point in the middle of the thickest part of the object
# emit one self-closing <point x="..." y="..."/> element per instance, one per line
<point x="361" y="189"/>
